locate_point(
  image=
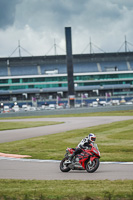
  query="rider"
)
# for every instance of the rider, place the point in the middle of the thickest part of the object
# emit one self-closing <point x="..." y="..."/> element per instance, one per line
<point x="83" y="145"/>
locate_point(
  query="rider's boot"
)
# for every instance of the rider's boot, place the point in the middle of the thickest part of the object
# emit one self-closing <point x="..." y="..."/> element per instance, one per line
<point x="69" y="161"/>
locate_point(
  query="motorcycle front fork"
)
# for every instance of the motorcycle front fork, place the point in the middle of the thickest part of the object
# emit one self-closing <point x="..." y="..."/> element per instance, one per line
<point x="90" y="162"/>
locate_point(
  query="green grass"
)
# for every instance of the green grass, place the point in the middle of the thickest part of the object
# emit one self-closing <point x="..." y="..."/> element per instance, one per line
<point x="115" y="142"/>
<point x="108" y="113"/>
<point x="66" y="190"/>
<point x="21" y="125"/>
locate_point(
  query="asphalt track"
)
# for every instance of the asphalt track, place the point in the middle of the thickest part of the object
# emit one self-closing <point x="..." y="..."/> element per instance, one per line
<point x="46" y="170"/>
<point x="49" y="170"/>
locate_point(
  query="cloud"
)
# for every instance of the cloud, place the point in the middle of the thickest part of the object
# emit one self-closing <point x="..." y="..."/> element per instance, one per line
<point x="39" y="23"/>
<point x="42" y="14"/>
<point x="7" y="12"/>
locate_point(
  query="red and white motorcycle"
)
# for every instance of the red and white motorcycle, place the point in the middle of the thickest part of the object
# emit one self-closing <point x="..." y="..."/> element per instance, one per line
<point x="87" y="160"/>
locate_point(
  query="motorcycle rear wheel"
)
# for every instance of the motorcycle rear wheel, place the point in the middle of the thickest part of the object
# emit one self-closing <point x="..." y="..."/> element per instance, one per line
<point x="64" y="168"/>
<point x="92" y="167"/>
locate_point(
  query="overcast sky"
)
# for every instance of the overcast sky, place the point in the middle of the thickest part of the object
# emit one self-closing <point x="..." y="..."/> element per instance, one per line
<point x="39" y="24"/>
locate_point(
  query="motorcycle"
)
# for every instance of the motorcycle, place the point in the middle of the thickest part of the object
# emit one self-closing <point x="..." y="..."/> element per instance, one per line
<point x="87" y="160"/>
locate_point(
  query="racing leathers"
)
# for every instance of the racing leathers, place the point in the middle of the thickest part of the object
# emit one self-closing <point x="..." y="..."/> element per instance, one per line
<point x="82" y="145"/>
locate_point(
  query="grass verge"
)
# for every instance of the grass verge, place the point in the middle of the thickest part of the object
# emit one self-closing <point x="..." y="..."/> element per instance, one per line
<point x="108" y="113"/>
<point x="66" y="190"/>
<point x="115" y="142"/>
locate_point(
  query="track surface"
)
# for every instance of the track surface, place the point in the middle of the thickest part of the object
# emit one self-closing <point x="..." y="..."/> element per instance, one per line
<point x="70" y="123"/>
<point x="40" y="170"/>
<point x="11" y="169"/>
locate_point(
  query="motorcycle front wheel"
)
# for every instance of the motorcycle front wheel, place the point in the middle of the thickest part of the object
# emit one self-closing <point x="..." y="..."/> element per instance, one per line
<point x="92" y="166"/>
<point x="63" y="167"/>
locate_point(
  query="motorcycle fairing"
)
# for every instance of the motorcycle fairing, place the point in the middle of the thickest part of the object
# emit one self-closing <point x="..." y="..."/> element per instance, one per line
<point x="82" y="158"/>
<point x="92" y="158"/>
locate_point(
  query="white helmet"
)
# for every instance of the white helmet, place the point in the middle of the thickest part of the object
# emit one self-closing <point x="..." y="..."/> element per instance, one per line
<point x="92" y="137"/>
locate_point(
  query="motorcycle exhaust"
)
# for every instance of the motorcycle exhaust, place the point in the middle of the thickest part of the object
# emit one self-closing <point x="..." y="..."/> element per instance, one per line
<point x="75" y="167"/>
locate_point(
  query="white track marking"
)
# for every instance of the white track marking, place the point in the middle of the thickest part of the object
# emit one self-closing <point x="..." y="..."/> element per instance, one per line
<point x="57" y="161"/>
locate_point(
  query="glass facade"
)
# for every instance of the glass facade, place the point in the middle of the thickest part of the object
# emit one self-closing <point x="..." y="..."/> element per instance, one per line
<point x="99" y="77"/>
<point x="61" y="81"/>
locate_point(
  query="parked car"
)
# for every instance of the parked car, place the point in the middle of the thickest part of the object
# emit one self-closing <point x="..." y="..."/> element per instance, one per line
<point x="109" y="103"/>
<point x="33" y="108"/>
<point x="59" y="106"/>
<point x="26" y="107"/>
<point x="115" y="102"/>
<point x="94" y="104"/>
<point x="52" y="106"/>
<point x="6" y="109"/>
<point x="15" y="108"/>
<point x="102" y="103"/>
<point x="129" y="103"/>
<point x="77" y="105"/>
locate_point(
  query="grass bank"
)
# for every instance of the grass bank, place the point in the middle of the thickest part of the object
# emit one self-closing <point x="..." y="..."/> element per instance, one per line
<point x="109" y="113"/>
<point x="115" y="142"/>
<point x="66" y="190"/>
<point x="21" y="125"/>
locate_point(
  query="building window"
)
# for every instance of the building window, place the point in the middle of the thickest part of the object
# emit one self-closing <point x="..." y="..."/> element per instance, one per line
<point x="3" y="81"/>
<point x="15" y="80"/>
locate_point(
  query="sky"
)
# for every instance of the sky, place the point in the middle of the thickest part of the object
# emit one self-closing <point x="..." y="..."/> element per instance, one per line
<point x="37" y="27"/>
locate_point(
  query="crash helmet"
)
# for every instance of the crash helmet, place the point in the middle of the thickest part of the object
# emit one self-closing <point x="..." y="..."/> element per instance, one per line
<point x="92" y="137"/>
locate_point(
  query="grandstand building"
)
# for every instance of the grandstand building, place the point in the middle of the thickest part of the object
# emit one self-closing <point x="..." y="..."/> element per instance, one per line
<point x="45" y="77"/>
